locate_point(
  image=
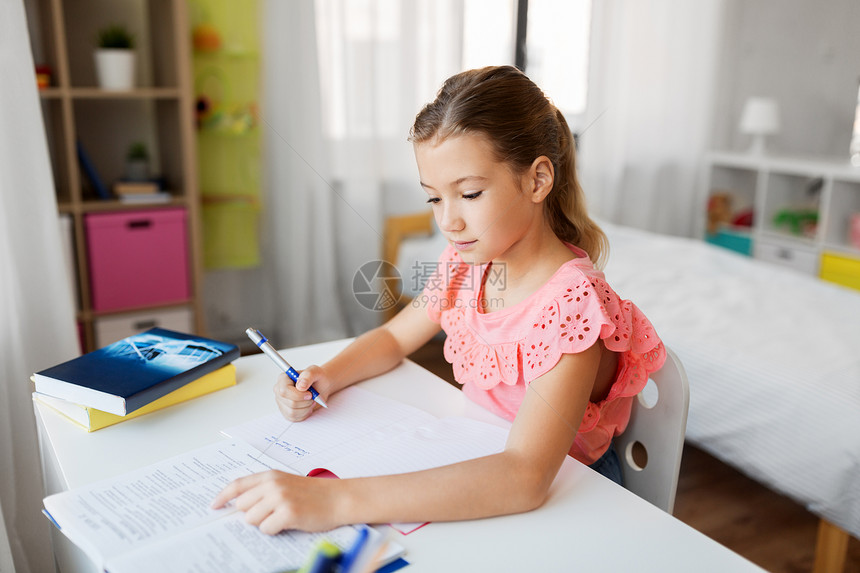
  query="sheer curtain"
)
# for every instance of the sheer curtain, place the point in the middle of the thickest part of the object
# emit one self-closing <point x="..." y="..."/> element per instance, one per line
<point x="651" y="84"/>
<point x="344" y="80"/>
<point x="380" y="61"/>
<point x="37" y="324"/>
<point x="299" y="227"/>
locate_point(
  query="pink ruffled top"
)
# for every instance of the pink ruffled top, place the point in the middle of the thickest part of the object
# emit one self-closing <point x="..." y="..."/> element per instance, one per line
<point x="496" y="354"/>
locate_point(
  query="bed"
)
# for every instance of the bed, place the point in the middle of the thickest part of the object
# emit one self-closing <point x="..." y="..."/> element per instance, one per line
<point x="772" y="355"/>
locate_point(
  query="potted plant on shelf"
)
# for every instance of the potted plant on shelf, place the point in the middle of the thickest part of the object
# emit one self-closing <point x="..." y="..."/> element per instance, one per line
<point x="115" y="58"/>
<point x="137" y="162"/>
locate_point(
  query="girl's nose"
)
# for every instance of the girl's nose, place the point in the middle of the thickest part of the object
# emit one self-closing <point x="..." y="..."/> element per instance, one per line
<point x="449" y="219"/>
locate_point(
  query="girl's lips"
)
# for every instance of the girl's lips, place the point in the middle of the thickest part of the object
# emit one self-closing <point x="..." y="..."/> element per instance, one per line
<point x="462" y="246"/>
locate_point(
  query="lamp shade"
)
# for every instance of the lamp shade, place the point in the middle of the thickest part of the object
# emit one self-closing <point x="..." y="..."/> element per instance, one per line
<point x="760" y="116"/>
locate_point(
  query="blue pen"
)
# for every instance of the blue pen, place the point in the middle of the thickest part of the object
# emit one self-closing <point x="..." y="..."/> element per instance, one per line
<point x="257" y="338"/>
<point x="349" y="558"/>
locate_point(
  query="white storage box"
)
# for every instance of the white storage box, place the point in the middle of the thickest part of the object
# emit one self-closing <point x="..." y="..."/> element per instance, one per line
<point x="112" y="328"/>
<point x="798" y="257"/>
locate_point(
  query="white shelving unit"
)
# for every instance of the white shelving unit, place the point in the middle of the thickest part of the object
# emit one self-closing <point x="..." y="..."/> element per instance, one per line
<point x="774" y="186"/>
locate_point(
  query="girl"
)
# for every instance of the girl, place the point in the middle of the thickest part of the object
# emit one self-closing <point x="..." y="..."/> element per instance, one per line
<point x="551" y="347"/>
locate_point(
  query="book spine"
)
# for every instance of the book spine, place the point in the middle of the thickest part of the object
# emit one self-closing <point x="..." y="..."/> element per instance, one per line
<point x="92" y="174"/>
<point x="221" y="378"/>
<point x="92" y="419"/>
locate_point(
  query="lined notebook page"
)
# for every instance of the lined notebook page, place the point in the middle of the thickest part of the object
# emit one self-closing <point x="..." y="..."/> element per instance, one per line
<point x="355" y="419"/>
<point x="365" y="434"/>
<point x="432" y="444"/>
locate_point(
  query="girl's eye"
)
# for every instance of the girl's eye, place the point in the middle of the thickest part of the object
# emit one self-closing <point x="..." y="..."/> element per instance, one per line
<point x="433" y="200"/>
<point x="474" y="195"/>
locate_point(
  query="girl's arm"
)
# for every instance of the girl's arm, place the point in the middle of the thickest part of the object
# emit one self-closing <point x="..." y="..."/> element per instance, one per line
<point x="371" y="354"/>
<point x="512" y="481"/>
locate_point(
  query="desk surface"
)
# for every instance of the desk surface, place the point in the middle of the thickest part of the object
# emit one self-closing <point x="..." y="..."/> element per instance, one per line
<point x="588" y="523"/>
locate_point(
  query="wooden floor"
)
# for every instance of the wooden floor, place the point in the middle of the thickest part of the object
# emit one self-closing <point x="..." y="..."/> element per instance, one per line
<point x="768" y="529"/>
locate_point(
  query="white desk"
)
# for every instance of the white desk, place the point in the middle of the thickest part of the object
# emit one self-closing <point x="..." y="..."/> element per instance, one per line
<point x="588" y="523"/>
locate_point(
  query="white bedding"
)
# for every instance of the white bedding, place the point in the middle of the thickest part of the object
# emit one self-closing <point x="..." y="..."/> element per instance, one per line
<point x="773" y="359"/>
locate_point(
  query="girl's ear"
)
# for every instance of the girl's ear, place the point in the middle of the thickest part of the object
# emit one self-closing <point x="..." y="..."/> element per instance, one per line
<point x="541" y="177"/>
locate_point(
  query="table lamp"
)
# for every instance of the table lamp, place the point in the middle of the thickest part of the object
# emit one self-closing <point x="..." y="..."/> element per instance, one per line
<point x="760" y="118"/>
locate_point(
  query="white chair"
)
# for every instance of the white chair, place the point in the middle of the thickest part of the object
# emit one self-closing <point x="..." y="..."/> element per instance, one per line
<point x="650" y="448"/>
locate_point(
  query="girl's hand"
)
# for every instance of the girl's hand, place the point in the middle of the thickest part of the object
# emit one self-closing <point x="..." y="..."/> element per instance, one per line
<point x="294" y="400"/>
<point x="274" y="501"/>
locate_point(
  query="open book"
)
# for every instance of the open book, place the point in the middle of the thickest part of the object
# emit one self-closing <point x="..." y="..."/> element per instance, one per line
<point x="159" y="518"/>
<point x="364" y="434"/>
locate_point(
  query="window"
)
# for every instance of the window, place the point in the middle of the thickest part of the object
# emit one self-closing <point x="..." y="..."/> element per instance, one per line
<point x="489" y="31"/>
<point x="548" y="39"/>
<point x="380" y="60"/>
<point x="357" y="42"/>
<point x="556" y="53"/>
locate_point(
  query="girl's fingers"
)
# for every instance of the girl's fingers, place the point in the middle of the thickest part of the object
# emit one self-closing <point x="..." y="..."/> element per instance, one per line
<point x="294" y="400"/>
<point x="274" y="523"/>
<point x="258" y="511"/>
<point x="234" y="489"/>
<point x="274" y="501"/>
<point x="291" y="396"/>
<point x="284" y="388"/>
<point x="307" y="377"/>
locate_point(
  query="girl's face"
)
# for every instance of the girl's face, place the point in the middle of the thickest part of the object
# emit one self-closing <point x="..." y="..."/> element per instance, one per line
<point x="480" y="206"/>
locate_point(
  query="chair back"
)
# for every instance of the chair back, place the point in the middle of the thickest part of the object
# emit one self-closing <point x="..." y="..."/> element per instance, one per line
<point x="650" y="448"/>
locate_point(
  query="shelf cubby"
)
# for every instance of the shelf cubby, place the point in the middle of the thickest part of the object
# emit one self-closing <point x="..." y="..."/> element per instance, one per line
<point x="803" y="210"/>
<point x="158" y="111"/>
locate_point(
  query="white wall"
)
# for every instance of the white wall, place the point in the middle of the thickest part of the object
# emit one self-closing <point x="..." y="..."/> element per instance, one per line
<point x="806" y="55"/>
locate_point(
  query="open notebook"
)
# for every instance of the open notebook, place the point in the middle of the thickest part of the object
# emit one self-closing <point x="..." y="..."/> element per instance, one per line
<point x="363" y="434"/>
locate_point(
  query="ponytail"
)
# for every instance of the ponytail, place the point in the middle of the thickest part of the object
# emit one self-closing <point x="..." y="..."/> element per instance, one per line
<point x="521" y="124"/>
<point x="565" y="206"/>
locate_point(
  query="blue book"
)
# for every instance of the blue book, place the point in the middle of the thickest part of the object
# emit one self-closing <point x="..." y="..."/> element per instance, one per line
<point x="134" y="371"/>
<point x="92" y="174"/>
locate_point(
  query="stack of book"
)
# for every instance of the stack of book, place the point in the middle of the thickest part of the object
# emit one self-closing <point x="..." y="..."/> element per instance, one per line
<point x="140" y="192"/>
<point x="136" y="375"/>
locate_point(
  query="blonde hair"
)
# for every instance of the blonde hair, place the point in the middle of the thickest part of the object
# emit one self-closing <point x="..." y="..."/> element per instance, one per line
<point x="521" y="124"/>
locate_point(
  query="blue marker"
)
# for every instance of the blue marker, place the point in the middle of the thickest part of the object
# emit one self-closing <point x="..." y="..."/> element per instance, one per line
<point x="350" y="557"/>
<point x="257" y="338"/>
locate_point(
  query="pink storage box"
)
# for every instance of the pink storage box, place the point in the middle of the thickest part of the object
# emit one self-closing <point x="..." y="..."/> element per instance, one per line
<point x="854" y="231"/>
<point x="137" y="258"/>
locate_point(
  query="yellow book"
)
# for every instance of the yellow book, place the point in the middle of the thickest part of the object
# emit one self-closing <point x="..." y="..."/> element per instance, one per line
<point x="92" y="419"/>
